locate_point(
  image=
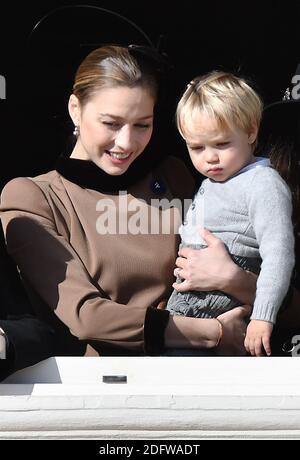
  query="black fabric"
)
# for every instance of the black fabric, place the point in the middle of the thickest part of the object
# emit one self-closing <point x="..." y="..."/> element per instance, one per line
<point x="13" y="300"/>
<point x="30" y="340"/>
<point x="87" y="174"/>
<point x="154" y="331"/>
<point x="287" y="327"/>
<point x="17" y="312"/>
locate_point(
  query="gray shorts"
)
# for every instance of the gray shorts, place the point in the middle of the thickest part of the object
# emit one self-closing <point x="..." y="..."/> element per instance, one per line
<point x="208" y="304"/>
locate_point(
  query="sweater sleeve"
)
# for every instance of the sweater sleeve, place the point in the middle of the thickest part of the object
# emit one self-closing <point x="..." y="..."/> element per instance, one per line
<point x="55" y="272"/>
<point x="270" y="211"/>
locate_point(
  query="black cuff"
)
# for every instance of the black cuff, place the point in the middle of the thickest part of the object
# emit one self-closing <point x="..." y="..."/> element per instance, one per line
<point x="154" y="331"/>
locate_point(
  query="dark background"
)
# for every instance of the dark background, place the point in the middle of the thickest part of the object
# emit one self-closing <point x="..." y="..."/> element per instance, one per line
<point x="259" y="39"/>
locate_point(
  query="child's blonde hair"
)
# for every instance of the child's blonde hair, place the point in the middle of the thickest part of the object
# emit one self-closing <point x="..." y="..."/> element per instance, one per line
<point x="229" y="99"/>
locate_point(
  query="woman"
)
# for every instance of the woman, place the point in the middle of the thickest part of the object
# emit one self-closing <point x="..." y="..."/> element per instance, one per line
<point x="95" y="244"/>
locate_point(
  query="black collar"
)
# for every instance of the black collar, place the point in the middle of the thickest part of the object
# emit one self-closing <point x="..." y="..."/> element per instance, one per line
<point x="87" y="175"/>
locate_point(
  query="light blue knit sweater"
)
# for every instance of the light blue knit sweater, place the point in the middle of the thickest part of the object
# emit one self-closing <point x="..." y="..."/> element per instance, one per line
<point x="251" y="213"/>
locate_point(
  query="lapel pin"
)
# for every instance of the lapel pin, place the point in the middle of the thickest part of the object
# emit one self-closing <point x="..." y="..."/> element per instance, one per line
<point x="158" y="187"/>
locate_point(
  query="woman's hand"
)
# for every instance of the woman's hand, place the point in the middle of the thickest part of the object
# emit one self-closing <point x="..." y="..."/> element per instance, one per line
<point x="212" y="269"/>
<point x="162" y="305"/>
<point x="188" y="332"/>
<point x="207" y="269"/>
<point x="234" y="331"/>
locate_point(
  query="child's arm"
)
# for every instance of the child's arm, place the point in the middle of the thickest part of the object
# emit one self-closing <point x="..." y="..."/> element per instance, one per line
<point x="270" y="210"/>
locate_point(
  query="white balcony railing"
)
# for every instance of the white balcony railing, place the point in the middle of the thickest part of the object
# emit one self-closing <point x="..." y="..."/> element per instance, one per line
<point x="164" y="398"/>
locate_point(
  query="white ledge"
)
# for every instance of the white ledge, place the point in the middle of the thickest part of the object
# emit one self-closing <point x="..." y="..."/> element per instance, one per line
<point x="164" y="398"/>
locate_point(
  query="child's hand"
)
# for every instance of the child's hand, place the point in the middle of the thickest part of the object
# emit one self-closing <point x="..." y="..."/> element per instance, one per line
<point x="258" y="335"/>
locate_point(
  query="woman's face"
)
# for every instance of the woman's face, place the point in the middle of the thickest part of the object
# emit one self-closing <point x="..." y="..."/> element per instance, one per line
<point x="115" y="126"/>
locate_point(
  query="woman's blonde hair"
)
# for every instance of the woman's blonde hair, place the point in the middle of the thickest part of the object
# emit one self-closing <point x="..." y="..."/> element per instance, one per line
<point x="229" y="99"/>
<point x="113" y="66"/>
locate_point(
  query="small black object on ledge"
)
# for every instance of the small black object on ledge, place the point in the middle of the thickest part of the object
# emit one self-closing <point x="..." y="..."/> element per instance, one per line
<point x="114" y="379"/>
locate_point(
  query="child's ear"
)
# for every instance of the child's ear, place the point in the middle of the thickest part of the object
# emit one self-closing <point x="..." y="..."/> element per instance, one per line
<point x="253" y="135"/>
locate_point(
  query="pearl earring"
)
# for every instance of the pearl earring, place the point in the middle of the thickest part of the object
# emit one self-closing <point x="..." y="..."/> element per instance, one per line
<point x="76" y="130"/>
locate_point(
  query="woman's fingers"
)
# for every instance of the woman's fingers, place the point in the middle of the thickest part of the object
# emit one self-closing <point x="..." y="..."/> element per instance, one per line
<point x="233" y="342"/>
<point x="181" y="262"/>
<point x="207" y="269"/>
<point x="185" y="252"/>
<point x="184" y="286"/>
<point x="208" y="237"/>
<point x="162" y="305"/>
<point x="179" y="272"/>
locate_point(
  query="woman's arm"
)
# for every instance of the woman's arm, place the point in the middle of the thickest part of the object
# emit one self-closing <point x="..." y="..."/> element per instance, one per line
<point x="213" y="269"/>
<point x="54" y="271"/>
<point x="185" y="332"/>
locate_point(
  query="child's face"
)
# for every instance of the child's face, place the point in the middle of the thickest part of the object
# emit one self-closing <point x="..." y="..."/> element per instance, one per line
<point x="215" y="153"/>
